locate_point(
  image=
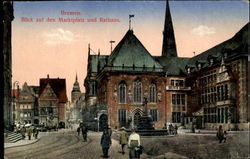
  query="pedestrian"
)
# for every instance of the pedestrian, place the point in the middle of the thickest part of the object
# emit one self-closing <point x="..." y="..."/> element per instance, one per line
<point x="23" y="130"/>
<point x="165" y="126"/>
<point x="220" y="134"/>
<point x="105" y="143"/>
<point x="84" y="132"/>
<point x="134" y="143"/>
<point x="29" y="132"/>
<point x="123" y="139"/>
<point x="225" y="136"/>
<point x="171" y="129"/>
<point x="78" y="130"/>
<point x="35" y="133"/>
<point x="175" y="128"/>
<point x="193" y="128"/>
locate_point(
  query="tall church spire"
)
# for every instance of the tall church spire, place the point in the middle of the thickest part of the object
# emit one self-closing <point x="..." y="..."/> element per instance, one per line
<point x="76" y="92"/>
<point x="168" y="45"/>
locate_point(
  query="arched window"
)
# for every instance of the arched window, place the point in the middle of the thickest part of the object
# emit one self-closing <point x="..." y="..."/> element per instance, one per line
<point x="122" y="93"/>
<point x="152" y="93"/>
<point x="137" y="91"/>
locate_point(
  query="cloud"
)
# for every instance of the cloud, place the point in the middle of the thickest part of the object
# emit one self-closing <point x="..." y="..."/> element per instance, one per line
<point x="203" y="30"/>
<point x="59" y="36"/>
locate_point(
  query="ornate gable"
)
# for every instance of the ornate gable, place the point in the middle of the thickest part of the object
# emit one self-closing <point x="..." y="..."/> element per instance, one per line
<point x="222" y="75"/>
<point x="48" y="92"/>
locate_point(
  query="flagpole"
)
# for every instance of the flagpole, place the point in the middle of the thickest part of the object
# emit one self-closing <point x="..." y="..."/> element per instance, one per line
<point x="129" y="22"/>
<point x="130" y="16"/>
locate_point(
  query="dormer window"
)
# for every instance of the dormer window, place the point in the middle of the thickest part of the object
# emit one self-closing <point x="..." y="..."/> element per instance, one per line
<point x="225" y="55"/>
<point x="199" y="66"/>
<point x="211" y="61"/>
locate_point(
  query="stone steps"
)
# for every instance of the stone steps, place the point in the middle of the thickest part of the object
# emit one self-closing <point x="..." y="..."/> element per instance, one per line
<point x="12" y="136"/>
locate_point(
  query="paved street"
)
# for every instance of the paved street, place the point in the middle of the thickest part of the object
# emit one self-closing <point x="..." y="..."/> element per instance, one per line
<point x="64" y="145"/>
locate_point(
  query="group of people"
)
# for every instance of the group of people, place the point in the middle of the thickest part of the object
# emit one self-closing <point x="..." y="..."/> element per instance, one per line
<point x="132" y="141"/>
<point x="29" y="130"/>
<point x="172" y="130"/>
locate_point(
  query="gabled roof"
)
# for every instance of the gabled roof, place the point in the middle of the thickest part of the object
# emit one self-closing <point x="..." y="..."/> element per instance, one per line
<point x="58" y="86"/>
<point x="130" y="52"/>
<point x="235" y="46"/>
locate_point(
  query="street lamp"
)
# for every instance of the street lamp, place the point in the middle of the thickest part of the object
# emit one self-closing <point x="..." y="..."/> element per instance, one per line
<point x="111" y="42"/>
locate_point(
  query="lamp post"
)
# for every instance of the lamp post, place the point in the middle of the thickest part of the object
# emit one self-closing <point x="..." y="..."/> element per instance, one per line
<point x="111" y="42"/>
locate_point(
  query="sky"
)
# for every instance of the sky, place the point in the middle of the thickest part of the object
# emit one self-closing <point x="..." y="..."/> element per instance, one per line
<point x="60" y="49"/>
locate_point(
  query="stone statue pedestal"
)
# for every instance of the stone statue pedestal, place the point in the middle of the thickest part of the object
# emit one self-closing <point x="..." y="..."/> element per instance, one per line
<point x="145" y="122"/>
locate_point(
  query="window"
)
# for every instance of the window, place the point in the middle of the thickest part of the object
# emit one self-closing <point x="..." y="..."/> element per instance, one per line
<point x="137" y="91"/>
<point x="152" y="93"/>
<point x="43" y="111"/>
<point x="176" y="117"/>
<point x="172" y="82"/>
<point x="122" y="93"/>
<point x="211" y="61"/>
<point x="153" y="113"/>
<point x="218" y="93"/>
<point x="174" y="99"/>
<point x="178" y="99"/>
<point x="199" y="66"/>
<point x="122" y="115"/>
<point x="92" y="88"/>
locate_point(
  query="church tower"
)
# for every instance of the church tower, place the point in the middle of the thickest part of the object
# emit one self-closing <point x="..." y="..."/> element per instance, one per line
<point x="76" y="92"/>
<point x="168" y="45"/>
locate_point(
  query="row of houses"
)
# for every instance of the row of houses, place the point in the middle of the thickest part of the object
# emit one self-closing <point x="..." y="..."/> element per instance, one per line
<point x="43" y="104"/>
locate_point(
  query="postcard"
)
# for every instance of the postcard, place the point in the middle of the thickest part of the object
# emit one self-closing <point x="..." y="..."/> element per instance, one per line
<point x="126" y="79"/>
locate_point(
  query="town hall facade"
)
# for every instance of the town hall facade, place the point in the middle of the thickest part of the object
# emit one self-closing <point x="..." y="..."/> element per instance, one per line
<point x="206" y="90"/>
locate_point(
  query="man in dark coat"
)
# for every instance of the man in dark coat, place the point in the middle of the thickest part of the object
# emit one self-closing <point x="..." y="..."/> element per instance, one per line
<point x="84" y="131"/>
<point x="105" y="143"/>
<point x="35" y="132"/>
<point x="220" y="134"/>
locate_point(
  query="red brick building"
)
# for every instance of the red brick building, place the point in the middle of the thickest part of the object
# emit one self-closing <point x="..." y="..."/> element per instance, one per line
<point x="52" y="100"/>
<point x="207" y="90"/>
